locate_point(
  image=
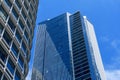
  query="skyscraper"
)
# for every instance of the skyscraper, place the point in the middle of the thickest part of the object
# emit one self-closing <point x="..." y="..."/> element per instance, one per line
<point x="67" y="49"/>
<point x="17" y="22"/>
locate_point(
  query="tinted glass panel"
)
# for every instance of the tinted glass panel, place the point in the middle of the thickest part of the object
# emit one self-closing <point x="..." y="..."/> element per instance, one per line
<point x="11" y="66"/>
<point x="7" y="38"/>
<point x="3" y="13"/>
<point x="17" y="76"/>
<point x="18" y="3"/>
<point x="3" y="54"/>
<point x="8" y="3"/>
<point x="15" y="13"/>
<point x="15" y="50"/>
<point x="21" y="62"/>
<point x="21" y="24"/>
<point x="1" y="28"/>
<point x="0" y="74"/>
<point x="11" y="24"/>
<point x="18" y="36"/>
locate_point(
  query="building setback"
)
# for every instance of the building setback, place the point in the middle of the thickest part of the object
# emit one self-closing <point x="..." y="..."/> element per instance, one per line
<point x="17" y="22"/>
<point x="67" y="49"/>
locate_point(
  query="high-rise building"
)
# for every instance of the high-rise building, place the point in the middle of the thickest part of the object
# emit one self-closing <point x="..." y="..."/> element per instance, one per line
<point x="67" y="49"/>
<point x="17" y="22"/>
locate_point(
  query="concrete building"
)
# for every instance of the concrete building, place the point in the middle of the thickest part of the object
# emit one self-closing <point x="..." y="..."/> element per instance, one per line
<point x="67" y="49"/>
<point x="17" y="22"/>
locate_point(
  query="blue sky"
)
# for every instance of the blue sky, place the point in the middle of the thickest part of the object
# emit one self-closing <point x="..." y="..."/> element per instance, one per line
<point x="103" y="14"/>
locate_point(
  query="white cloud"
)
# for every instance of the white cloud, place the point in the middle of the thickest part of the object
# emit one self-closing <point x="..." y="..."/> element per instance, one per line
<point x="113" y="74"/>
<point x="116" y="45"/>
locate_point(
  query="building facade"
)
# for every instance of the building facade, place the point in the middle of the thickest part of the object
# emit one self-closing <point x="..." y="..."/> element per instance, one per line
<point x="67" y="49"/>
<point x="17" y="22"/>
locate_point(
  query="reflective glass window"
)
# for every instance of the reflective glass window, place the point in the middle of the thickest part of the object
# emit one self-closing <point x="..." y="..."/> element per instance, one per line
<point x="31" y="6"/>
<point x="3" y="54"/>
<point x="21" y="24"/>
<point x="0" y="74"/>
<point x="24" y="47"/>
<point x="7" y="38"/>
<point x="29" y="0"/>
<point x="5" y="78"/>
<point x="15" y="50"/>
<point x="15" y="13"/>
<point x="21" y="61"/>
<point x="18" y="4"/>
<point x="17" y="76"/>
<point x="30" y="15"/>
<point x="24" y="15"/>
<point x="18" y="36"/>
<point x="3" y="13"/>
<point x="11" y="24"/>
<point x="8" y="3"/>
<point x="26" y="34"/>
<point x="1" y="28"/>
<point x="11" y="66"/>
<point x="25" y="5"/>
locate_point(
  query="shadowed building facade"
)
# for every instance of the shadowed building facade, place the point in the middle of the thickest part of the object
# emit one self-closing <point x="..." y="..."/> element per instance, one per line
<point x="17" y="22"/>
<point x="67" y="49"/>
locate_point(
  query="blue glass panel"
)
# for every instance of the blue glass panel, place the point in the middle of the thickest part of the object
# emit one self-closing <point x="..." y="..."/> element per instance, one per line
<point x="8" y="3"/>
<point x="7" y="38"/>
<point x="21" y="62"/>
<point x="3" y="54"/>
<point x="15" y="50"/>
<point x="15" y="13"/>
<point x="11" y="66"/>
<point x="11" y="24"/>
<point x="18" y="36"/>
<point x="17" y="76"/>
<point x="0" y="74"/>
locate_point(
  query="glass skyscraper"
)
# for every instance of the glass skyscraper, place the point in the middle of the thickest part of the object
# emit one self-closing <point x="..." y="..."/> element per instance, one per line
<point x="17" y="22"/>
<point x="67" y="49"/>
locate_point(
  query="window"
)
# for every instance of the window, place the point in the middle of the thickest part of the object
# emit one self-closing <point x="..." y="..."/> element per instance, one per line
<point x="24" y="47"/>
<point x="15" y="49"/>
<point x="26" y="35"/>
<point x="11" y="24"/>
<point x="1" y="28"/>
<point x="11" y="66"/>
<point x="29" y="0"/>
<point x="17" y="76"/>
<point x="3" y="13"/>
<point x="18" y="36"/>
<point x="23" y="13"/>
<point x="28" y="23"/>
<point x="15" y="13"/>
<point x="3" y="54"/>
<point x="21" y="61"/>
<point x="25" y="5"/>
<point x="30" y="15"/>
<point x="31" y="6"/>
<point x="5" y="78"/>
<point x="21" y="24"/>
<point x="7" y="38"/>
<point x="18" y="4"/>
<point x="0" y="75"/>
<point x="8" y="3"/>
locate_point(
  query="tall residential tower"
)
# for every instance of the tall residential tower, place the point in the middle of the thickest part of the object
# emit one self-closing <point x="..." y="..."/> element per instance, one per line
<point x="67" y="49"/>
<point x="17" y="22"/>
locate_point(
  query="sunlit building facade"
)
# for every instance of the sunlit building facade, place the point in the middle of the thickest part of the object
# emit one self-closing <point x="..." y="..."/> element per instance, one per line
<point x="17" y="22"/>
<point x="67" y="49"/>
